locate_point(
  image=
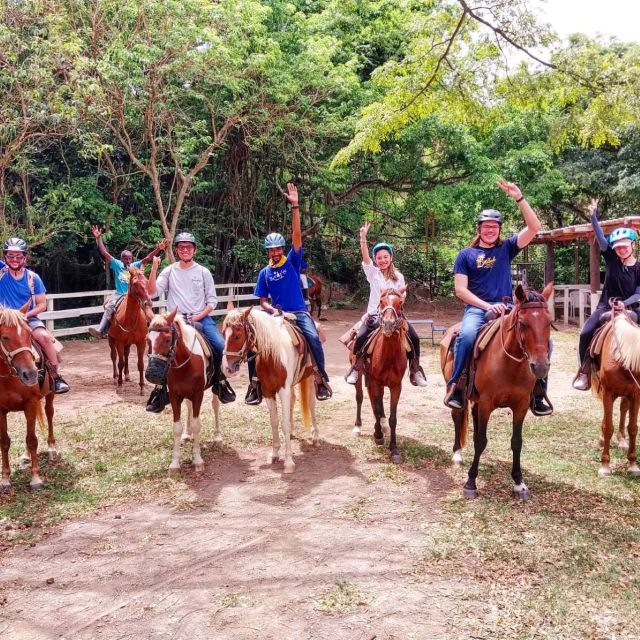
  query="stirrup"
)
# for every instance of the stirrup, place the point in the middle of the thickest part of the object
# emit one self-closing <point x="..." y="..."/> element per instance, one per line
<point x="352" y="377"/>
<point x="454" y="398"/>
<point x="253" y="396"/>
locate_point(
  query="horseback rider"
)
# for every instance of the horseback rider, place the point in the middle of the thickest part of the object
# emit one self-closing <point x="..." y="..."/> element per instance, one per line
<point x="189" y="287"/>
<point x="19" y="285"/>
<point x="482" y="276"/>
<point x="621" y="282"/>
<point x="280" y="281"/>
<point x="382" y="274"/>
<point x="120" y="270"/>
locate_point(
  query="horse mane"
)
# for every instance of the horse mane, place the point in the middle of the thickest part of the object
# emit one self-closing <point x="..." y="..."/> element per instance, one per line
<point x="532" y="296"/>
<point x="627" y="342"/>
<point x="269" y="342"/>
<point x="159" y="320"/>
<point x="11" y="317"/>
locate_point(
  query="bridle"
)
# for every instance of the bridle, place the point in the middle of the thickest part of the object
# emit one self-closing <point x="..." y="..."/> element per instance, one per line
<point x="247" y="345"/>
<point x="142" y="303"/>
<point x="397" y="322"/>
<point x="538" y="304"/>
<point x="8" y="357"/>
<point x="172" y="348"/>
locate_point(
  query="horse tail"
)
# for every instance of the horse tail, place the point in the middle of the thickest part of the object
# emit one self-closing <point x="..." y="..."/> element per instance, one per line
<point x="306" y="389"/>
<point x="40" y="418"/>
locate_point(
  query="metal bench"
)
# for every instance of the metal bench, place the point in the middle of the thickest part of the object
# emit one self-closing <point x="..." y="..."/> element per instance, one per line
<point x="432" y="330"/>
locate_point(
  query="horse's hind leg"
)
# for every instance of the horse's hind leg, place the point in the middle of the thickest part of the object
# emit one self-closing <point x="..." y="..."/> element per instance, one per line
<point x="633" y="470"/>
<point x="140" y="349"/>
<point x="187" y="435"/>
<point x="30" y="413"/>
<point x="127" y="351"/>
<point x="285" y="402"/>
<point x="460" y="418"/>
<point x="275" y="431"/>
<point x="174" y="467"/>
<point x="480" y="420"/>
<point x="375" y="397"/>
<point x="114" y="359"/>
<point x="215" y="405"/>
<point x="51" y="440"/>
<point x="520" y="489"/>
<point x="5" y="442"/>
<point x="396" y="456"/>
<point x="607" y="431"/>
<point x="623" y="444"/>
<point x="357" y="428"/>
<point x="196" y="429"/>
<point x="121" y="363"/>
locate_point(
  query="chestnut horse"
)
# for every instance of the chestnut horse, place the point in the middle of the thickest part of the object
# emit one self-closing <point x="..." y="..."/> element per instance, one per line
<point x="20" y="391"/>
<point x="506" y="374"/>
<point x="129" y="327"/>
<point x="177" y="356"/>
<point x="278" y="368"/>
<point x="315" y="295"/>
<point x="619" y="377"/>
<point x="387" y="364"/>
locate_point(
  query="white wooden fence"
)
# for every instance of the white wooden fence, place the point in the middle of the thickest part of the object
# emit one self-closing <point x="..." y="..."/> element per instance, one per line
<point x="237" y="292"/>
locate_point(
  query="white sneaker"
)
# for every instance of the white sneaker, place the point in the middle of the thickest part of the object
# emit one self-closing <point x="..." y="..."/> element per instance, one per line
<point x="419" y="380"/>
<point x="352" y="376"/>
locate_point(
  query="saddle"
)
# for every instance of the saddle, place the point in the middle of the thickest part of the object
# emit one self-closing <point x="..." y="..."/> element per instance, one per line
<point x="41" y="361"/>
<point x="299" y="342"/>
<point x="208" y="353"/>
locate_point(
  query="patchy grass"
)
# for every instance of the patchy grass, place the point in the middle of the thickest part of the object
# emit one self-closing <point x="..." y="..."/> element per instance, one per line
<point x="342" y="597"/>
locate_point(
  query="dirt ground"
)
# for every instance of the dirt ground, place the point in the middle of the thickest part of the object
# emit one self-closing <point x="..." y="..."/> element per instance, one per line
<point x="259" y="552"/>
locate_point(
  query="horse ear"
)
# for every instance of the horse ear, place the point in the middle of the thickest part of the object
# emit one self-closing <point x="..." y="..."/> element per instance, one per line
<point x="547" y="291"/>
<point x="25" y="307"/>
<point x="402" y="291"/>
<point x="172" y="316"/>
<point x="521" y="296"/>
<point x="245" y="314"/>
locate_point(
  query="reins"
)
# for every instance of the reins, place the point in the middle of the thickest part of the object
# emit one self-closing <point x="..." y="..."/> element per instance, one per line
<point x="248" y="344"/>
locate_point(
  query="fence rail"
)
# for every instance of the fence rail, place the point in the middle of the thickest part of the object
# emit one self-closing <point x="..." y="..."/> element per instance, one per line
<point x="51" y="315"/>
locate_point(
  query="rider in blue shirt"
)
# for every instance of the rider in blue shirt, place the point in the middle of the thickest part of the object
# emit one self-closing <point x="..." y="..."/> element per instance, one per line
<point x="280" y="281"/>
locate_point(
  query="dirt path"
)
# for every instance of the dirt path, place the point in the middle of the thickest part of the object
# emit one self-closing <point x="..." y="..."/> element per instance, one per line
<point x="259" y="554"/>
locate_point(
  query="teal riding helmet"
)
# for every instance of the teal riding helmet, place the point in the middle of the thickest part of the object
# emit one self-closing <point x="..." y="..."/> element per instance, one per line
<point x="381" y="245"/>
<point x="622" y="233"/>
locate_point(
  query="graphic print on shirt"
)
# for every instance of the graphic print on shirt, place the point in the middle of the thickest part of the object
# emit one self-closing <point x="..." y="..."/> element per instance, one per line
<point x="483" y="262"/>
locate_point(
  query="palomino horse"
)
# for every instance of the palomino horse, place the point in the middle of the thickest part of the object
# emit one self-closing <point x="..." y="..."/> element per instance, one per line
<point x="129" y="327"/>
<point x="177" y="357"/>
<point x="279" y="369"/>
<point x="315" y="295"/>
<point x="619" y="377"/>
<point x="20" y="391"/>
<point x="506" y="374"/>
<point x="387" y="364"/>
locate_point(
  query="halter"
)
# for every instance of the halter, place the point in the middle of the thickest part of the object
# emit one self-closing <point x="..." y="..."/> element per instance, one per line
<point x="525" y="305"/>
<point x="248" y="344"/>
<point x="172" y="349"/>
<point x="397" y="323"/>
<point x="8" y="357"/>
<point x="141" y="303"/>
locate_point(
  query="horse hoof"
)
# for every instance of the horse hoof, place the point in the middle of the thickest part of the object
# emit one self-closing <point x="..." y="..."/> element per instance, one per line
<point x="53" y="456"/>
<point x="25" y="461"/>
<point x="217" y="439"/>
<point x="174" y="471"/>
<point x="457" y="458"/>
<point x="5" y="488"/>
<point x="356" y="431"/>
<point x="623" y="445"/>
<point x="289" y="468"/>
<point x="396" y="458"/>
<point x="38" y="486"/>
<point x="604" y="472"/>
<point x="199" y="468"/>
<point x="317" y="442"/>
<point x="186" y="437"/>
<point x="379" y="441"/>
<point x="470" y="493"/>
<point x="634" y="471"/>
<point x="119" y="390"/>
<point x="522" y="494"/>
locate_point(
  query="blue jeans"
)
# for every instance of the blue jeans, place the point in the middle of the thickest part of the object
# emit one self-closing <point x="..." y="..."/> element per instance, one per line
<point x="214" y="337"/>
<point x="308" y="328"/>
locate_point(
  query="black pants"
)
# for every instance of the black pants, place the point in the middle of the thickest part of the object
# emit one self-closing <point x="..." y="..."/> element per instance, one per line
<point x="371" y="323"/>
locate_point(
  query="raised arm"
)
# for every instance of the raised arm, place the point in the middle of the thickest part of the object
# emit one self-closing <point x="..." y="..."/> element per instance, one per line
<point x="597" y="229"/>
<point x="533" y="225"/>
<point x="364" y="247"/>
<point x="296" y="231"/>
<point x="151" y="282"/>
<point x="160" y="246"/>
<point x="97" y="234"/>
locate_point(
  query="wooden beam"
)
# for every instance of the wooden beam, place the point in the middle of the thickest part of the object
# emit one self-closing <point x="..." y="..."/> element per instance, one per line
<point x="594" y="265"/>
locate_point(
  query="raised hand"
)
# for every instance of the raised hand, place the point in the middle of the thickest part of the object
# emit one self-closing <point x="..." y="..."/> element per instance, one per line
<point x="593" y="207"/>
<point x="162" y="244"/>
<point x="511" y="189"/>
<point x="96" y="231"/>
<point x="291" y="195"/>
<point x="364" y="229"/>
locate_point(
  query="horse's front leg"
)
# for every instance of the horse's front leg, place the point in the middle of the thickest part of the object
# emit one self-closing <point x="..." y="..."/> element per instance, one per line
<point x="357" y="428"/>
<point x="520" y="489"/>
<point x="140" y="350"/>
<point x="311" y="403"/>
<point x="633" y="470"/>
<point x="51" y="440"/>
<point x="127" y="351"/>
<point x="176" y="403"/>
<point x="286" y="396"/>
<point x="30" y="413"/>
<point x="480" y="420"/>
<point x="607" y="430"/>
<point x="196" y="428"/>
<point x="215" y="405"/>
<point x="375" y="397"/>
<point x="623" y="444"/>
<point x="114" y="359"/>
<point x="5" y="442"/>
<point x="274" y="454"/>
<point x="460" y="419"/>
<point x="396" y="456"/>
<point x="121" y="363"/>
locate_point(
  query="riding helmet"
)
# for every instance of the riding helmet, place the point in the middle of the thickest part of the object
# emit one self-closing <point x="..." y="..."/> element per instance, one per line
<point x="185" y="236"/>
<point x="273" y="241"/>
<point x="381" y="245"/>
<point x="490" y="215"/>
<point x="15" y="244"/>
<point x="622" y="235"/>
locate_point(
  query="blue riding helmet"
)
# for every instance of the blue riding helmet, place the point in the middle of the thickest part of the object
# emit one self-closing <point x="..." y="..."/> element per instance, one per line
<point x="273" y="241"/>
<point x="622" y="233"/>
<point x="381" y="245"/>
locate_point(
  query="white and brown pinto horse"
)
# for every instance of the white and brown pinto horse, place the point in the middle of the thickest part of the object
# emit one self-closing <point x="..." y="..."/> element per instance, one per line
<point x="619" y="377"/>
<point x="279" y="369"/>
<point x="176" y="352"/>
<point x="20" y="391"/>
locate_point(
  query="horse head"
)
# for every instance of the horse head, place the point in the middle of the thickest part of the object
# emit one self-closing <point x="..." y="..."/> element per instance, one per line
<point x="531" y="322"/>
<point x="390" y="310"/>
<point x="138" y="290"/>
<point x="163" y="337"/>
<point x="238" y="339"/>
<point x="15" y="345"/>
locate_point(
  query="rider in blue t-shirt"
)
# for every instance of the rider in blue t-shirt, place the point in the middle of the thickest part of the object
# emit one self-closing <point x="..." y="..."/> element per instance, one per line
<point x="120" y="270"/>
<point x="280" y="281"/>
<point x="482" y="275"/>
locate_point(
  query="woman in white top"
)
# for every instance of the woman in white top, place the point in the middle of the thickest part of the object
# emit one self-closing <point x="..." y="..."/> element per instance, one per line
<point x="381" y="274"/>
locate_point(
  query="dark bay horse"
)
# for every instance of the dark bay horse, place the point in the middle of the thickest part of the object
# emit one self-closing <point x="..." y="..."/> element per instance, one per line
<point x="177" y="356"/>
<point x="129" y="327"/>
<point x="619" y="377"/>
<point x="20" y="391"/>
<point x="387" y="364"/>
<point x="279" y="367"/>
<point x="506" y="374"/>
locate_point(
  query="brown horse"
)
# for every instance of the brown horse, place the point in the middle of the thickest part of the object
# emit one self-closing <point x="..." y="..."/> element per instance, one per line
<point x="506" y="374"/>
<point x="279" y="367"/>
<point x="619" y="377"/>
<point x="315" y="294"/>
<point x="387" y="364"/>
<point x="177" y="356"/>
<point x="129" y="327"/>
<point x="20" y="391"/>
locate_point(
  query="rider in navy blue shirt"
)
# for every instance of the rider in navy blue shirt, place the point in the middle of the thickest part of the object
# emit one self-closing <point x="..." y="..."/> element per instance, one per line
<point x="280" y="281"/>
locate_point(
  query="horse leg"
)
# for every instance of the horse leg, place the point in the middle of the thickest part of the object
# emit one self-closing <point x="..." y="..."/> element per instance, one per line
<point x="174" y="467"/>
<point x="359" y="397"/>
<point x="127" y="351"/>
<point x="311" y="403"/>
<point x="5" y="442"/>
<point x="607" y="430"/>
<point x="140" y="349"/>
<point x="215" y="405"/>
<point x="460" y="420"/>
<point x="480" y="419"/>
<point x="121" y="362"/>
<point x="275" y="431"/>
<point x="196" y="428"/>
<point x="285" y="403"/>
<point x="384" y="423"/>
<point x="51" y="440"/>
<point x="292" y="406"/>
<point x="396" y="456"/>
<point x="623" y="444"/>
<point x="30" y="413"/>
<point x="375" y="397"/>
<point x="187" y="435"/>
<point x="634" y="470"/>
<point x="520" y="489"/>
<point x="114" y="358"/>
